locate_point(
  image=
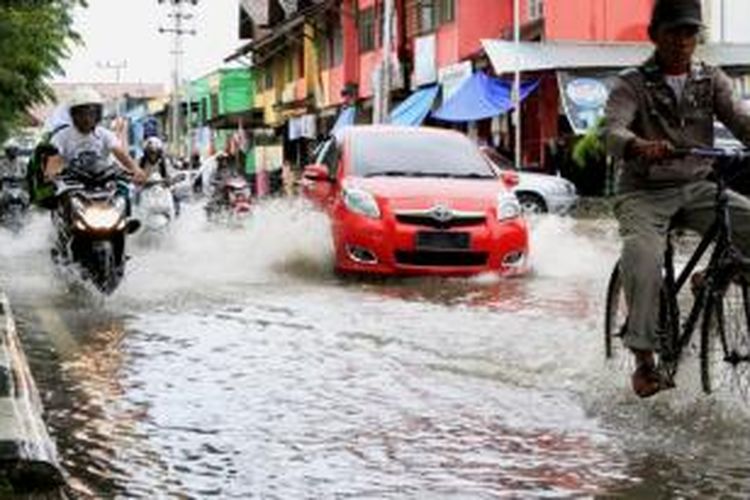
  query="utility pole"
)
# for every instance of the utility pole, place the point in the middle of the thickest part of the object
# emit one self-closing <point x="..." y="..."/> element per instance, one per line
<point x="517" y="81"/>
<point x="382" y="97"/>
<point x="178" y="31"/>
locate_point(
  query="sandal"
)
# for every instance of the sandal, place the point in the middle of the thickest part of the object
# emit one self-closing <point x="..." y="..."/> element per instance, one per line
<point x="646" y="380"/>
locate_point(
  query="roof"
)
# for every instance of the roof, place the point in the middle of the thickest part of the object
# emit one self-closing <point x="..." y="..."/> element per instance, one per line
<point x="541" y="56"/>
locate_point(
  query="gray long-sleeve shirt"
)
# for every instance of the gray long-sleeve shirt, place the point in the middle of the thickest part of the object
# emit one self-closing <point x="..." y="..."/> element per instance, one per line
<point x="643" y="105"/>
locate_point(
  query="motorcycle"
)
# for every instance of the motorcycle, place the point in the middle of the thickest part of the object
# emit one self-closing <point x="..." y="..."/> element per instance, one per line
<point x="231" y="199"/>
<point x="14" y="203"/>
<point x="91" y="223"/>
<point x="155" y="207"/>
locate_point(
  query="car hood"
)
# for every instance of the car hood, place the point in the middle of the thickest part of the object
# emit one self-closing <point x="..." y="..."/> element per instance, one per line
<point x="419" y="193"/>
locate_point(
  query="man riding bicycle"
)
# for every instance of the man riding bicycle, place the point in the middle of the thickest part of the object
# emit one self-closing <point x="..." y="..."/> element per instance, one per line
<point x="667" y="103"/>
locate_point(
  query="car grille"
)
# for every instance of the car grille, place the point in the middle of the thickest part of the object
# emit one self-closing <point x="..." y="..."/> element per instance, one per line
<point x="427" y="218"/>
<point x="441" y="259"/>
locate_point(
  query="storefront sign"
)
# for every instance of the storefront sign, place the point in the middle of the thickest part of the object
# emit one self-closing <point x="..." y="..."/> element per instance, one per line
<point x="584" y="96"/>
<point x="452" y="77"/>
<point x="425" y="60"/>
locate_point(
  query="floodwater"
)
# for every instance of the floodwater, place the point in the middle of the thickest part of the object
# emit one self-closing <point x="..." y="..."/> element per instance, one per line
<point x="233" y="363"/>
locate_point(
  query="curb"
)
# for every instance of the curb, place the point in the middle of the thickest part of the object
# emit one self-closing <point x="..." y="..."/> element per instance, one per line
<point x="28" y="456"/>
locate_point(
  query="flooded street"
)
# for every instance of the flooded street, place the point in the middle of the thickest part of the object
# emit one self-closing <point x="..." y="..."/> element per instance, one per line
<point x="235" y="364"/>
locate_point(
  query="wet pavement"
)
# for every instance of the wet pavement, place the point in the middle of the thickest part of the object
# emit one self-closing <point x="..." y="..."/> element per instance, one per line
<point x="234" y="364"/>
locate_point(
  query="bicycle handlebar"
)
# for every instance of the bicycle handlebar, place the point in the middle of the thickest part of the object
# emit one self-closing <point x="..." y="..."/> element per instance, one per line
<point x="713" y="153"/>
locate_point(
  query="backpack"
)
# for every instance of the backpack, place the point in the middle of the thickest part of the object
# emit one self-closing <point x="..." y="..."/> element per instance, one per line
<point x="41" y="190"/>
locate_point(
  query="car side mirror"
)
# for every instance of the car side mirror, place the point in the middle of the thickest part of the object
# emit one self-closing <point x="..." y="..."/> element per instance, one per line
<point x="510" y="178"/>
<point x="317" y="172"/>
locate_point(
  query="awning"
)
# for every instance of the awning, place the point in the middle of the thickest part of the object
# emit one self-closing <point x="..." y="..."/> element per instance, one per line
<point x="481" y="97"/>
<point x="415" y="108"/>
<point x="541" y="56"/>
<point x="345" y="119"/>
<point x="584" y="95"/>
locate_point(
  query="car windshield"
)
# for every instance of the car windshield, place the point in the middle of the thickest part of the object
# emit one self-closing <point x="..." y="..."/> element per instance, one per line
<point x="411" y="154"/>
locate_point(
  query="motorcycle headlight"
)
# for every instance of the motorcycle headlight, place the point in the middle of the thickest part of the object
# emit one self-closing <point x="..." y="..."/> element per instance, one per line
<point x="507" y="206"/>
<point x="361" y="202"/>
<point x="103" y="216"/>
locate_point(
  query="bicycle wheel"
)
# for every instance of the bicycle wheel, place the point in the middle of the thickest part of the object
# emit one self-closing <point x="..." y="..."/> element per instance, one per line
<point x="725" y="340"/>
<point x="615" y="320"/>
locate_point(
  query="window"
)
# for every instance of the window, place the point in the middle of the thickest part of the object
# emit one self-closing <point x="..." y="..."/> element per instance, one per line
<point x="536" y="9"/>
<point x="447" y="11"/>
<point x="268" y="76"/>
<point x="433" y="13"/>
<point x="338" y="46"/>
<point x="427" y="21"/>
<point x="367" y="30"/>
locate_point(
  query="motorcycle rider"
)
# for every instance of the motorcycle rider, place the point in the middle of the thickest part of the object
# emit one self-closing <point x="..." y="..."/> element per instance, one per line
<point x="669" y="102"/>
<point x="86" y="138"/>
<point x="155" y="161"/>
<point x="12" y="165"/>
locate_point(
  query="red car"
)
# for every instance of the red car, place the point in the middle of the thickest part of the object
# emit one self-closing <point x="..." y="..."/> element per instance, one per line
<point x="416" y="201"/>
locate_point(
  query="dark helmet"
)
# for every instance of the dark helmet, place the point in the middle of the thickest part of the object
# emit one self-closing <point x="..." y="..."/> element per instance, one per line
<point x="674" y="13"/>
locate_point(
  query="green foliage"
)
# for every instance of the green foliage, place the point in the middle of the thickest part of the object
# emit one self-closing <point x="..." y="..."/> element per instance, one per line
<point x="590" y="147"/>
<point x="35" y="36"/>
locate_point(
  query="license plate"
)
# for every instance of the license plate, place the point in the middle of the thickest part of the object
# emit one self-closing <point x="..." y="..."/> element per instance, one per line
<point x="443" y="240"/>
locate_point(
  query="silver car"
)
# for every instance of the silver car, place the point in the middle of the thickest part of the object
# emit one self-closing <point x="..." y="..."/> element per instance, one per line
<point x="537" y="193"/>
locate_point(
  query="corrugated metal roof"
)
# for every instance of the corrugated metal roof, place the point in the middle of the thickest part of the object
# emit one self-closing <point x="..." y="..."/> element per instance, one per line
<point x="540" y="56"/>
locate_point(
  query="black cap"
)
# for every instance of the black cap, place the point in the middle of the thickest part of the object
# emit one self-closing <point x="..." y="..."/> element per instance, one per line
<point x="673" y="13"/>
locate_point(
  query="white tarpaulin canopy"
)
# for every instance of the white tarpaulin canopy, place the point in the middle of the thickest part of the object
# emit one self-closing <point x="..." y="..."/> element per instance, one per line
<point x="541" y="56"/>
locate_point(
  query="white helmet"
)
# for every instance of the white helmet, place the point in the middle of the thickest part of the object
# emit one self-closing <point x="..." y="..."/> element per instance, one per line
<point x="85" y="96"/>
<point x="153" y="143"/>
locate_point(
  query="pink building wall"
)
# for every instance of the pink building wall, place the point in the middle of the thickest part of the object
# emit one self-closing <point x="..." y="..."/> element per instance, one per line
<point x="479" y="19"/>
<point x="597" y="20"/>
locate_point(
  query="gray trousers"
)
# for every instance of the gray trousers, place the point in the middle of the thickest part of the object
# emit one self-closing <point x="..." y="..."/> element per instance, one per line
<point x="644" y="218"/>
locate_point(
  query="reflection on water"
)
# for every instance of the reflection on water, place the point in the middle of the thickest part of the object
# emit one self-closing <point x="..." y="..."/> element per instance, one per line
<point x="233" y="364"/>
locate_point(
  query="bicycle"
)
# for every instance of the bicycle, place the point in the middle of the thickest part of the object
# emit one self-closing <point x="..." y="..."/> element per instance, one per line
<point x="721" y="296"/>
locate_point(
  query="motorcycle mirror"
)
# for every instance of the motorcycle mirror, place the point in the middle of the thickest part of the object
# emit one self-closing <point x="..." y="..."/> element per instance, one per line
<point x="132" y="226"/>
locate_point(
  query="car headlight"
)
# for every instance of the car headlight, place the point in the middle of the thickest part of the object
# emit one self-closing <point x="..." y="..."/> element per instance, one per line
<point x="361" y="202"/>
<point x="507" y="206"/>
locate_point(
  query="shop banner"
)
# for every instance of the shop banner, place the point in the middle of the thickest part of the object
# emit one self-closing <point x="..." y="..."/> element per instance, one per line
<point x="584" y="96"/>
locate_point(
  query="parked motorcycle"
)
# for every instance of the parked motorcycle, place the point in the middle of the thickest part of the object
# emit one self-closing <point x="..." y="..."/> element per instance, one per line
<point x="91" y="223"/>
<point x="14" y="203"/>
<point x="231" y="200"/>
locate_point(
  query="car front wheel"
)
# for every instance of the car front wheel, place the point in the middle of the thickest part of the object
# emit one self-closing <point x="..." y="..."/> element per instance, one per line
<point x="531" y="203"/>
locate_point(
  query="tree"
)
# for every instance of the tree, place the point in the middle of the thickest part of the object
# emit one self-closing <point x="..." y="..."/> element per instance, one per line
<point x="35" y="36"/>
